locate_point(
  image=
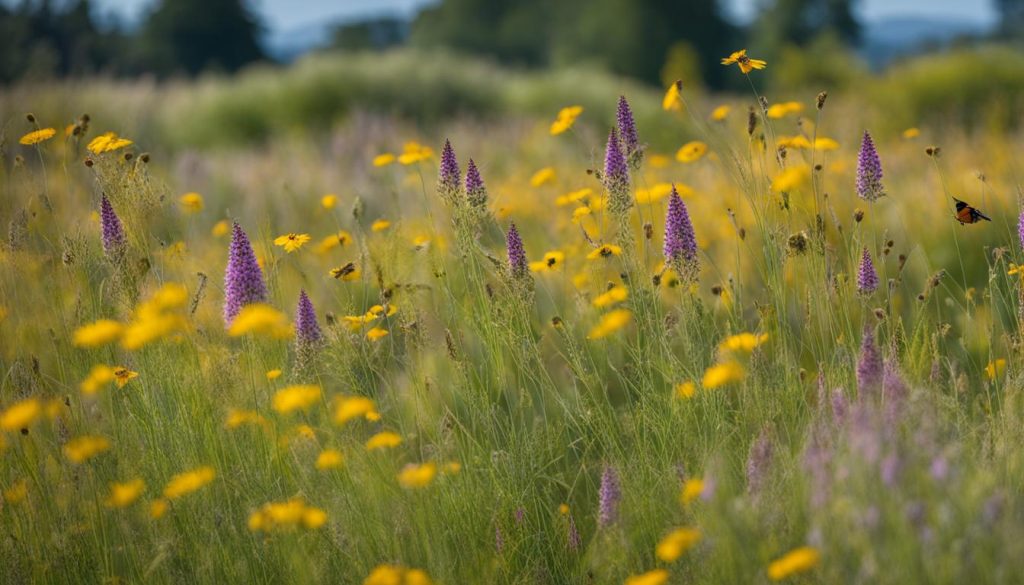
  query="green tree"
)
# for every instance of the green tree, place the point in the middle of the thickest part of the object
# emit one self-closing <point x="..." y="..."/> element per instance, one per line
<point x="191" y="36"/>
<point x="1012" y="22"/>
<point x="514" y="31"/>
<point x="799" y="22"/>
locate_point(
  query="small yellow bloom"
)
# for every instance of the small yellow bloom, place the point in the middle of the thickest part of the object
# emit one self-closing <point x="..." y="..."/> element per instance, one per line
<point x="273" y="374"/>
<point x="604" y="251"/>
<point x="553" y="260"/>
<point x="187" y="482"/>
<point x="237" y="418"/>
<point x="797" y="561"/>
<point x="676" y="543"/>
<point x="99" y="375"/>
<point x="452" y="468"/>
<point x="579" y="213"/>
<point x="776" y="111"/>
<point x="123" y="375"/>
<point x="612" y="296"/>
<point x="691" y="151"/>
<point x="791" y="178"/>
<point x="610" y="323"/>
<point x="296" y="397"/>
<point x="686" y="389"/>
<point x="157" y="508"/>
<point x="563" y="509"/>
<point x="124" y="494"/>
<point x="911" y="133"/>
<point x="342" y="239"/>
<point x="566" y="118"/>
<point x="655" y="577"/>
<point x="421" y="241"/>
<point x="329" y="201"/>
<point x="417" y="476"/>
<point x="656" y="193"/>
<point x="377" y="333"/>
<point x="745" y="63"/>
<point x="722" y="374"/>
<point x="393" y="575"/>
<point x="191" y="202"/>
<point x="329" y="459"/>
<point x="995" y="369"/>
<point x="81" y="449"/>
<point x="350" y="407"/>
<point x="291" y="242"/>
<point x="107" y="142"/>
<point x="673" y="100"/>
<point x="542" y="177"/>
<point x="17" y="492"/>
<point x="97" y="333"/>
<point x="743" y="342"/>
<point x="692" y="489"/>
<point x="383" y="440"/>
<point x="20" y="415"/>
<point x="721" y="112"/>
<point x="37" y="136"/>
<point x="221" y="228"/>
<point x="260" y="319"/>
<point x="383" y="160"/>
<point x="413" y="153"/>
<point x="380" y="225"/>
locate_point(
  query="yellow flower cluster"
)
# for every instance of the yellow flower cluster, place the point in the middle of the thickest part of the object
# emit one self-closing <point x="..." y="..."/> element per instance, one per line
<point x="107" y="142"/>
<point x="565" y="119"/>
<point x="285" y="516"/>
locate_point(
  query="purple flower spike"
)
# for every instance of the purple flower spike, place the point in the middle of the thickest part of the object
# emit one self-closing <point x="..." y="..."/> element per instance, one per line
<point x="573" y="536"/>
<point x="243" y="278"/>
<point x="1020" y="228"/>
<point x="609" y="497"/>
<point x="680" y="243"/>
<point x="307" y="330"/>
<point x="114" y="241"/>
<point x="516" y="253"/>
<point x="758" y="462"/>
<point x="476" y="193"/>
<point x="869" y="367"/>
<point x="448" y="176"/>
<point x="627" y="130"/>
<point x="867" y="278"/>
<point x="616" y="176"/>
<point x="869" y="171"/>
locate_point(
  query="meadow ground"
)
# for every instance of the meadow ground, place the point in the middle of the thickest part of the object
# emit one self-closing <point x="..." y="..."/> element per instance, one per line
<point x="767" y="352"/>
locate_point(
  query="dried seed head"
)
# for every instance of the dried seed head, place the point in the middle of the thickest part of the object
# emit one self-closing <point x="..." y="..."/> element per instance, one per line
<point x="764" y="102"/>
<point x="858" y="215"/>
<point x="144" y="157"/>
<point x="648" y="230"/>
<point x="31" y="118"/>
<point x="751" y="121"/>
<point x="821" y="99"/>
<point x="88" y="162"/>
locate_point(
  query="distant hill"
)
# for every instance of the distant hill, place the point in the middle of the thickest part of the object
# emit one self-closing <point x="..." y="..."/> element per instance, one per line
<point x="891" y="38"/>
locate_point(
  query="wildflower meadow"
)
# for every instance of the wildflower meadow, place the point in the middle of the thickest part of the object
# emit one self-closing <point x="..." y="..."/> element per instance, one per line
<point x="667" y="338"/>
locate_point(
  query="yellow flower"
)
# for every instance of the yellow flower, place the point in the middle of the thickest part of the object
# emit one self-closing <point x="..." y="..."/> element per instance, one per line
<point x="542" y="177"/>
<point x="413" y="152"/>
<point x="376" y="334"/>
<point x="37" y="136"/>
<point x="97" y="333"/>
<point x="552" y="261"/>
<point x="722" y="374"/>
<point x="604" y="251"/>
<point x="149" y="327"/>
<point x="911" y="133"/>
<point x="745" y="342"/>
<point x="655" y="577"/>
<point x="99" y="375"/>
<point x="191" y="202"/>
<point x="794" y="562"/>
<point x="237" y="418"/>
<point x="659" y="161"/>
<point x="286" y="515"/>
<point x="383" y="160"/>
<point x="107" y="142"/>
<point x="692" y="489"/>
<point x="798" y="142"/>
<point x="691" y="151"/>
<point x="579" y="213"/>
<point x="610" y="323"/>
<point x="573" y="197"/>
<point x="291" y="242"/>
<point x="673" y="99"/>
<point x="676" y="543"/>
<point x="329" y="459"/>
<point x="746" y="63"/>
<point x="563" y="509"/>
<point x="17" y="492"/>
<point x="20" y="415"/>
<point x="221" y="228"/>
<point x="995" y="369"/>
<point x="417" y="476"/>
<point x="658" y="192"/>
<point x="720" y="113"/>
<point x="452" y="467"/>
<point x="123" y="375"/>
<point x="350" y="407"/>
<point x="187" y="482"/>
<point x="83" y="448"/>
<point x="566" y="117"/>
<point x="342" y="238"/>
<point x="393" y="575"/>
<point x="383" y="440"/>
<point x="273" y="374"/>
<point x="791" y="178"/>
<point x="157" y="508"/>
<point x="260" y="319"/>
<point x="686" y="389"/>
<point x="296" y="397"/>
<point x="776" y="111"/>
<point x="124" y="494"/>
<point x="380" y="225"/>
<point x="329" y="201"/>
<point x="612" y="296"/>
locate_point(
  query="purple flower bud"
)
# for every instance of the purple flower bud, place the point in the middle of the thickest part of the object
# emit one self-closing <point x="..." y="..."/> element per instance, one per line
<point x="114" y="241"/>
<point x="890" y="469"/>
<point x="867" y="278"/>
<point x="616" y="176"/>
<point x="627" y="130"/>
<point x="869" y="171"/>
<point x="609" y="497"/>
<point x="573" y="535"/>
<point x="243" y="278"/>
<point x="894" y="393"/>
<point x="448" y="175"/>
<point x="680" y="243"/>
<point x="1020" y="228"/>
<point x="476" y="193"/>
<point x="840" y="407"/>
<point x="758" y="462"/>
<point x="516" y="253"/>
<point x="307" y="330"/>
<point x="520" y="515"/>
<point x="869" y="366"/>
<point x="939" y="469"/>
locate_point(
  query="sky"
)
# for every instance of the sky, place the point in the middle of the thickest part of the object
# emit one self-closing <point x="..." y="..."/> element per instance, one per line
<point x="287" y="15"/>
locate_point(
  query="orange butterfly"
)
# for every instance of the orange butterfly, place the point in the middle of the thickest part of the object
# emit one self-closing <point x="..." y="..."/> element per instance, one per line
<point x="967" y="214"/>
